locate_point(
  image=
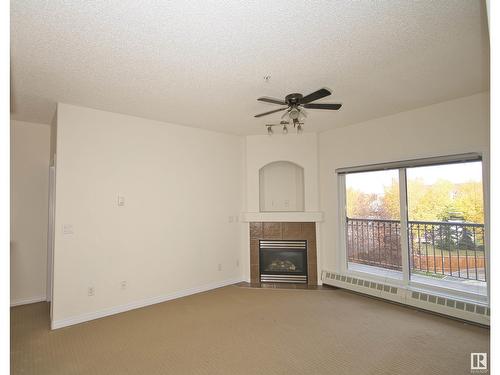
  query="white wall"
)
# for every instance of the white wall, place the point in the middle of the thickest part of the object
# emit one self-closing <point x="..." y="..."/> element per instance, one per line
<point x="451" y="127"/>
<point x="183" y="190"/>
<point x="299" y="149"/>
<point x="281" y="187"/>
<point x="30" y="145"/>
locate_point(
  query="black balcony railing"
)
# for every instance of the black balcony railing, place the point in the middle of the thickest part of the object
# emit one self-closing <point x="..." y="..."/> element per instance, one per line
<point x="435" y="248"/>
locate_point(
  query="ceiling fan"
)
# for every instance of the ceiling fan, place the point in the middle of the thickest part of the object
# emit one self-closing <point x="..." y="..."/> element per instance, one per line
<point x="296" y="102"/>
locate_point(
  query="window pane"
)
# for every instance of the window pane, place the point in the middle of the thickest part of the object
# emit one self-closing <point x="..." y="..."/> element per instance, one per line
<point x="373" y="228"/>
<point x="446" y="221"/>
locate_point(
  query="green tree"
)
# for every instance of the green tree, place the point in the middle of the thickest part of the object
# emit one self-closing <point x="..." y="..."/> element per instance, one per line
<point x="434" y="202"/>
<point x="429" y="202"/>
<point x="360" y="205"/>
<point x="469" y="201"/>
<point x="390" y="201"/>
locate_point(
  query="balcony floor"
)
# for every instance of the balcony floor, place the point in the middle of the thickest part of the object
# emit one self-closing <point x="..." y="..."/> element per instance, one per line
<point x="449" y="282"/>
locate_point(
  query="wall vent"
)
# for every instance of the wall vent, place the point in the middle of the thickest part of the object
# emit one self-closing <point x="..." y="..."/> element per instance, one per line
<point x="480" y="310"/>
<point x="357" y="282"/>
<point x="423" y="300"/>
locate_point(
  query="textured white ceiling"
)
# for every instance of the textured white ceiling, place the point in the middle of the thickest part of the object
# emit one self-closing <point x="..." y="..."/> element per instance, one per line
<point x="202" y="63"/>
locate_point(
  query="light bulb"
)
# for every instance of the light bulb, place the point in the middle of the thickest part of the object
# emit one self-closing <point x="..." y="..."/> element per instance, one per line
<point x="269" y="130"/>
<point x="285" y="129"/>
<point x="294" y="113"/>
<point x="299" y="129"/>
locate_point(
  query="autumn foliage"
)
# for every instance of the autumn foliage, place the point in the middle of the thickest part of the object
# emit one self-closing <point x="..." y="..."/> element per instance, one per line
<point x="440" y="201"/>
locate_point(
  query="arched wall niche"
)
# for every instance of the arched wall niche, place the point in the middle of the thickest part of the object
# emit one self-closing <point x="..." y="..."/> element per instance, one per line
<point x="281" y="187"/>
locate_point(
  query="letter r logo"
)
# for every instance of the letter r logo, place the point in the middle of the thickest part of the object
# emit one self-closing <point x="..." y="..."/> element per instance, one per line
<point x="478" y="361"/>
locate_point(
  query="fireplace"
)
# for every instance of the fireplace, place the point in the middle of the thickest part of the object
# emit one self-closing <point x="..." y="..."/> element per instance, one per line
<point x="283" y="261"/>
<point x="302" y="238"/>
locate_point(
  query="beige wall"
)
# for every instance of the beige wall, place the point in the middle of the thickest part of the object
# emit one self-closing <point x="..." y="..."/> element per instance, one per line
<point x="183" y="193"/>
<point x="30" y="145"/>
<point x="451" y="127"/>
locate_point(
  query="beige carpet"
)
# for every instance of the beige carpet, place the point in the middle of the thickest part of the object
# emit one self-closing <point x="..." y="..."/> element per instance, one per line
<point x="236" y="330"/>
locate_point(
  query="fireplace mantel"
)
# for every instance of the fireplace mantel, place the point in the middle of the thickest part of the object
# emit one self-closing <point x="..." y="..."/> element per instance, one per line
<point x="282" y="216"/>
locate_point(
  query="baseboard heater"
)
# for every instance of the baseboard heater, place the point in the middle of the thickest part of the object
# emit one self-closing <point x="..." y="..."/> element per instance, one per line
<point x="462" y="309"/>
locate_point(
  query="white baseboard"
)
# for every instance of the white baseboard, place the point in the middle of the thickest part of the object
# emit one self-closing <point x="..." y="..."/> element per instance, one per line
<point x="138" y="304"/>
<point x="27" y="301"/>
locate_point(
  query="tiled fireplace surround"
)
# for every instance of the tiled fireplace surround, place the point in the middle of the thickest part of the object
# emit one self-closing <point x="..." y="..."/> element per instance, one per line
<point x="283" y="231"/>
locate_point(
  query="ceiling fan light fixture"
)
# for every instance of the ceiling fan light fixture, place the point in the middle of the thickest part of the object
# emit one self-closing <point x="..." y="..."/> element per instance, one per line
<point x="294" y="113"/>
<point x="299" y="129"/>
<point x="269" y="130"/>
<point x="285" y="129"/>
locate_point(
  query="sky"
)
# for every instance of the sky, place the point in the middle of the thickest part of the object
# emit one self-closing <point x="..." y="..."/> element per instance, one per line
<point x="374" y="182"/>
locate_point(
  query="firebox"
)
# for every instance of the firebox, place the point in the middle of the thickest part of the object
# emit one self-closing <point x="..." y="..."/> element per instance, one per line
<point x="283" y="261"/>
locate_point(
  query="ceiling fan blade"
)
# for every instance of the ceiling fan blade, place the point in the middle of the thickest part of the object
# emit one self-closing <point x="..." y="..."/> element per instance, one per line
<point x="268" y="113"/>
<point x="271" y="100"/>
<point x="321" y="93"/>
<point x="323" y="106"/>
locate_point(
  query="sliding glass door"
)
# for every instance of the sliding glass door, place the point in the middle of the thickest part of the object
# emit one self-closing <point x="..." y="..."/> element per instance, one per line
<point x="373" y="227"/>
<point x="420" y="224"/>
<point x="446" y="226"/>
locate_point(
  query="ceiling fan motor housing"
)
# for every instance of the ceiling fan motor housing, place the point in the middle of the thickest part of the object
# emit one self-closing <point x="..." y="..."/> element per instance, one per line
<point x="293" y="99"/>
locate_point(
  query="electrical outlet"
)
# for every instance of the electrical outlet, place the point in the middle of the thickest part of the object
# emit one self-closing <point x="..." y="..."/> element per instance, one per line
<point x="220" y="266"/>
<point x="91" y="291"/>
<point x="123" y="285"/>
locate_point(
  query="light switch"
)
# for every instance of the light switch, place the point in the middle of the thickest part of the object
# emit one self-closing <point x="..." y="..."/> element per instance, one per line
<point x="121" y="200"/>
<point x="68" y="229"/>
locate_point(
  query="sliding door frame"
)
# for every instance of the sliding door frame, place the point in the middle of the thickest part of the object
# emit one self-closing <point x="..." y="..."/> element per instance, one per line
<point x="342" y="213"/>
<point x="405" y="281"/>
<point x="403" y="222"/>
